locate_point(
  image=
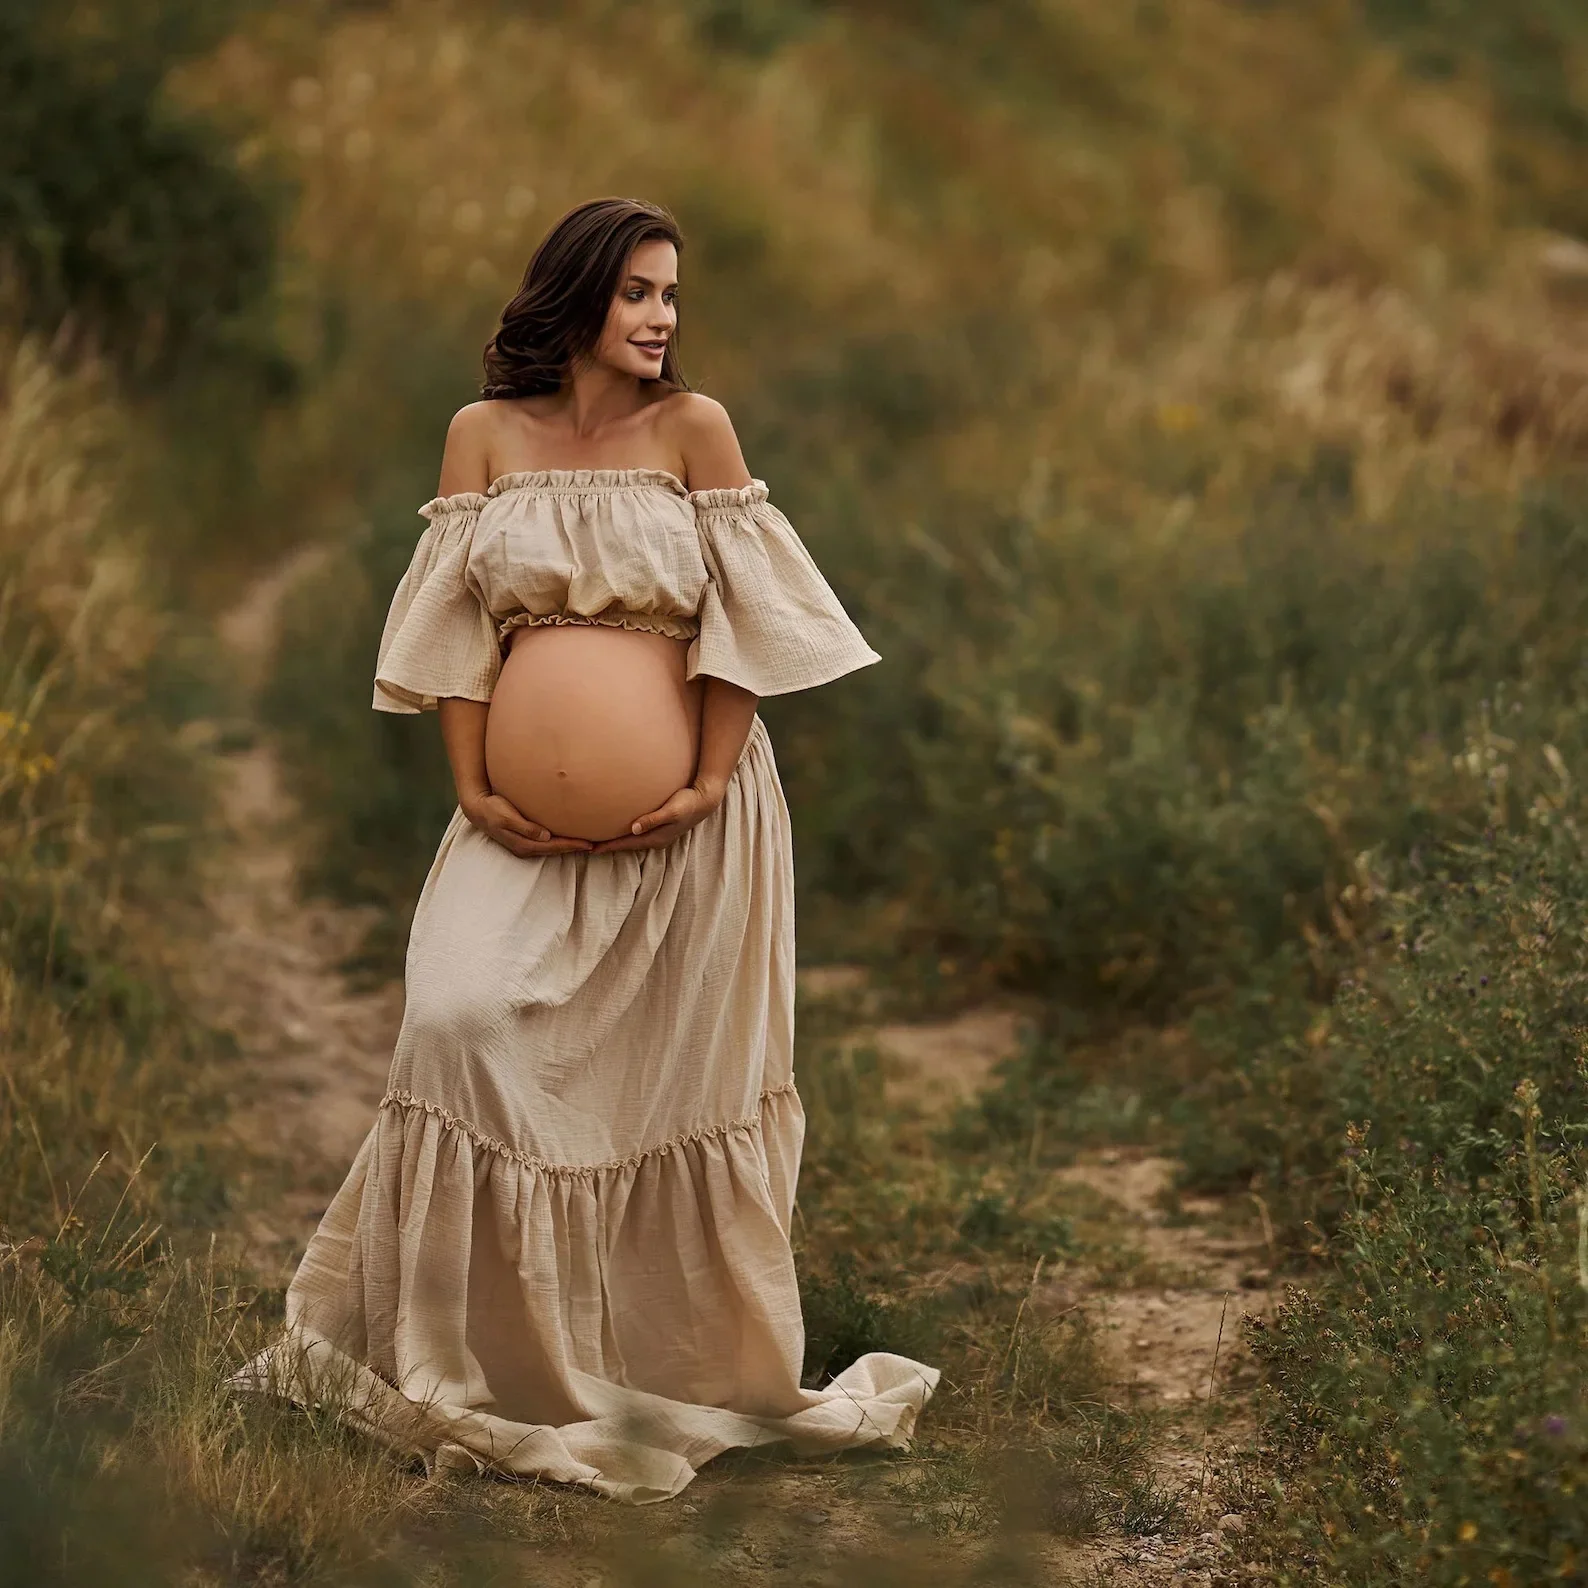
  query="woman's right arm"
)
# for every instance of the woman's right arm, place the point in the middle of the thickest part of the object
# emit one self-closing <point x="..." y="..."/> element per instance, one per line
<point x="466" y="466"/>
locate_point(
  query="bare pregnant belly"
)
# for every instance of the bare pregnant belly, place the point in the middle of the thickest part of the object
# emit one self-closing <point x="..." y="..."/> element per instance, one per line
<point x="590" y="727"/>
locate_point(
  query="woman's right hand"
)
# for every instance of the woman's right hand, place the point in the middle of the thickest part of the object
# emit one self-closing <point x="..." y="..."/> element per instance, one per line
<point x="502" y="822"/>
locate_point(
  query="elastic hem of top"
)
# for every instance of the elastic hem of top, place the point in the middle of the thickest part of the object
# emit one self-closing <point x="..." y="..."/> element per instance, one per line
<point x="673" y="628"/>
<point x="576" y="481"/>
<point x="463" y="502"/>
<point x="407" y="1102"/>
<point x="751" y="495"/>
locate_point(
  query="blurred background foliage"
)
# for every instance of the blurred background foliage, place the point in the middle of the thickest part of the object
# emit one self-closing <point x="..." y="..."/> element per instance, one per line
<point x="123" y="217"/>
<point x="1189" y="401"/>
<point x="1190" y="478"/>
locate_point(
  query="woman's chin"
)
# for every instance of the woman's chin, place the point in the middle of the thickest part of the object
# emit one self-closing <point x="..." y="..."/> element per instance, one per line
<point x="640" y="367"/>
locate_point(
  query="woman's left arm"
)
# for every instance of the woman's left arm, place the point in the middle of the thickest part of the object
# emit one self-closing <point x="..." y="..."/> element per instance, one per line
<point x="709" y="448"/>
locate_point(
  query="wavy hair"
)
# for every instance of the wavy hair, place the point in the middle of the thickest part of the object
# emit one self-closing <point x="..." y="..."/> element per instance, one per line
<point x="557" y="315"/>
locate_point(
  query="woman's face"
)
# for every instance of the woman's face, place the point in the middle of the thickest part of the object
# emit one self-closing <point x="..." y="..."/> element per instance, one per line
<point x="644" y="314"/>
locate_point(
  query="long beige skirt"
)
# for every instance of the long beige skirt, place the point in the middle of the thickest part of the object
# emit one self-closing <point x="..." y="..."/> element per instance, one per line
<point x="563" y="1248"/>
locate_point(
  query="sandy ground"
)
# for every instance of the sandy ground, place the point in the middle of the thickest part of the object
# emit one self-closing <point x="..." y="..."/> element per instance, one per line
<point x="316" y="1053"/>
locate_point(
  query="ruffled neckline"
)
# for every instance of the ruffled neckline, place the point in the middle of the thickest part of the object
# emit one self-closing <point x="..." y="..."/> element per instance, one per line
<point x="577" y="482"/>
<point x="584" y="480"/>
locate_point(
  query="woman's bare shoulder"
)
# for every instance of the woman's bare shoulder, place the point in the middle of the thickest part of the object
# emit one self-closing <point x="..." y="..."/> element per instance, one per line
<point x="693" y="412"/>
<point x="703" y="433"/>
<point x="466" y="458"/>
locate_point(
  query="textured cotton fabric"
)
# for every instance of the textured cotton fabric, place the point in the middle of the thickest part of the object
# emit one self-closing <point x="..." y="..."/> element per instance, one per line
<point x="631" y="548"/>
<point x="563" y="1249"/>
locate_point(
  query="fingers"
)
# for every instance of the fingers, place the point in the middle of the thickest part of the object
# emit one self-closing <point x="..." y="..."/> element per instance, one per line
<point x="679" y="806"/>
<point x="531" y="849"/>
<point x="514" y="821"/>
<point x="527" y="839"/>
<point x="499" y="818"/>
<point x="657" y="838"/>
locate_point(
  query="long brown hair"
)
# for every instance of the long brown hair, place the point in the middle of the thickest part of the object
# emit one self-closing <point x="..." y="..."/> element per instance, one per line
<point x="558" y="313"/>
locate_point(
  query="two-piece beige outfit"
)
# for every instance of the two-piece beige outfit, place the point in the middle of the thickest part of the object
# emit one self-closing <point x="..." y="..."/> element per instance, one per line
<point x="563" y="1248"/>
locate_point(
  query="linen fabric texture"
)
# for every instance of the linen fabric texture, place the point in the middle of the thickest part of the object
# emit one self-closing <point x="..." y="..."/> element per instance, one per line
<point x="563" y="1247"/>
<point x="630" y="548"/>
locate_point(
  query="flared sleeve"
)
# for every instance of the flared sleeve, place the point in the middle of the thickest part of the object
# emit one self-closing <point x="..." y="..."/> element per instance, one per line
<point x="439" y="640"/>
<point x="769" y="621"/>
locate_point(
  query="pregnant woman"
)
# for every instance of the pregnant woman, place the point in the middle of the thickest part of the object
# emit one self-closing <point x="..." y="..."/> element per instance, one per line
<point x="563" y="1249"/>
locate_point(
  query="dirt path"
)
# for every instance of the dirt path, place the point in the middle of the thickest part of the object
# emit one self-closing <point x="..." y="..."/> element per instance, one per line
<point x="1179" y="1346"/>
<point x="1170" y="1316"/>
<point x="316" y="1053"/>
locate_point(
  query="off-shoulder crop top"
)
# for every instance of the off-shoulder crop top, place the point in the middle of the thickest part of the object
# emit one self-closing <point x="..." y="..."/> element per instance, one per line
<point x="628" y="548"/>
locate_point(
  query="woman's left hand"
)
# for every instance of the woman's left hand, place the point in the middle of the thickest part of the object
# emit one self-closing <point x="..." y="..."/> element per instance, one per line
<point x="657" y="829"/>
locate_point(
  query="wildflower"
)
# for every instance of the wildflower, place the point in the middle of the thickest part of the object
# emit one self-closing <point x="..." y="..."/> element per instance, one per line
<point x="1554" y="1425"/>
<point x="1467" y="1532"/>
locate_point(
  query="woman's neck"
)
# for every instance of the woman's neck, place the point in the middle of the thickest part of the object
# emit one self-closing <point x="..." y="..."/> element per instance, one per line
<point x="598" y="396"/>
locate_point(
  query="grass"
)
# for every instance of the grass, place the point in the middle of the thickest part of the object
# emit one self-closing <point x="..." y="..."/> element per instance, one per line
<point x="1423" y="1399"/>
<point x="911" y="1243"/>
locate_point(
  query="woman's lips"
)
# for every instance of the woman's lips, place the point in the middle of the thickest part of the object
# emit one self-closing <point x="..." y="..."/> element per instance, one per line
<point x="655" y="349"/>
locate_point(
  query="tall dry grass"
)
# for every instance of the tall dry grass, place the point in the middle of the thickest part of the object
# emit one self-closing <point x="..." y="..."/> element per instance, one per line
<point x="101" y="801"/>
<point x="122" y="1306"/>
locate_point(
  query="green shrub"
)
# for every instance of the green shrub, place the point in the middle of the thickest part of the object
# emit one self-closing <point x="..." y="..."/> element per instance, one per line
<point x="1425" y="1403"/>
<point x="1137" y="803"/>
<point x="116" y="210"/>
